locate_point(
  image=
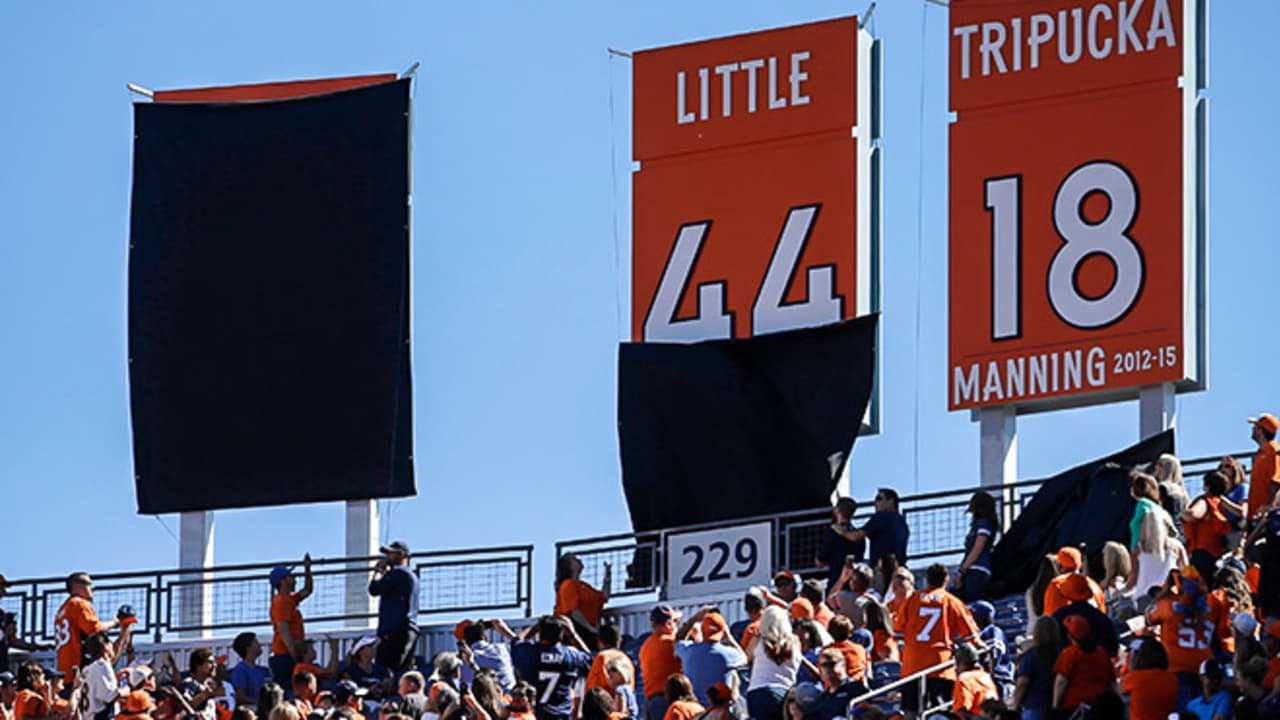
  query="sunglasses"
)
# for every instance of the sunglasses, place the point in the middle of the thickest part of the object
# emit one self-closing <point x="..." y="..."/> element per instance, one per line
<point x="827" y="664"/>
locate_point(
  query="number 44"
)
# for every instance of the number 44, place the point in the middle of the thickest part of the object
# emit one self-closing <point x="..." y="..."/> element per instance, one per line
<point x="769" y="312"/>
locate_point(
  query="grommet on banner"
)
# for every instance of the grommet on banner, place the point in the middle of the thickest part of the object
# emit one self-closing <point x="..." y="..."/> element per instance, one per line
<point x="620" y="53"/>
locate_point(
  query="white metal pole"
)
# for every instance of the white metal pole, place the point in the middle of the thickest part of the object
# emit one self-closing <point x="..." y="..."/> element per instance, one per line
<point x="998" y="458"/>
<point x="1157" y="409"/>
<point x="362" y="541"/>
<point x="195" y="552"/>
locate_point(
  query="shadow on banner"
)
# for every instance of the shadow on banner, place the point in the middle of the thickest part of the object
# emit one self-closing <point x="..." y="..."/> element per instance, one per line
<point x="1088" y="504"/>
<point x="727" y="429"/>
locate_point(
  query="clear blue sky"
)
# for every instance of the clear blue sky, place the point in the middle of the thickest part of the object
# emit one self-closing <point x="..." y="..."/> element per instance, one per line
<point x="516" y="289"/>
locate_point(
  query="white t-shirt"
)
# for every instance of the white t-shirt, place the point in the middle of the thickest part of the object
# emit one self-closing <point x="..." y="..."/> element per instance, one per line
<point x="100" y="686"/>
<point x="767" y="673"/>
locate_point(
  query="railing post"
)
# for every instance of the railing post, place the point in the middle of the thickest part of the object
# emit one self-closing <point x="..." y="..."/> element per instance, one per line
<point x="362" y="542"/>
<point x="195" y="552"/>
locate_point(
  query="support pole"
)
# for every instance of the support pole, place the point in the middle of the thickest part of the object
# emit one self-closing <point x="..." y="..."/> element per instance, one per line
<point x="195" y="552"/>
<point x="1157" y="409"/>
<point x="362" y="541"/>
<point x="999" y="456"/>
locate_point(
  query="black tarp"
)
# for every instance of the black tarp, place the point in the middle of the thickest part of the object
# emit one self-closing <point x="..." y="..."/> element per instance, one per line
<point x="725" y="429"/>
<point x="1088" y="504"/>
<point x="268" y="301"/>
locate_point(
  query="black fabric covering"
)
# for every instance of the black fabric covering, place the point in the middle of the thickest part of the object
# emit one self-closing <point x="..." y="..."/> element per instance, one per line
<point x="1088" y="504"/>
<point x="727" y="429"/>
<point x="269" y="301"/>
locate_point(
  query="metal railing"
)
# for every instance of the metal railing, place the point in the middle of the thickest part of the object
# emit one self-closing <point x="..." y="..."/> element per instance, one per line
<point x="938" y="523"/>
<point x="238" y="597"/>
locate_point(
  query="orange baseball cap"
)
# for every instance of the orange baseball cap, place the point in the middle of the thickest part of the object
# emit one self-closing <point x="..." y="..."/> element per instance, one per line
<point x="138" y="702"/>
<point x="713" y="627"/>
<point x="1267" y="422"/>
<point x="1069" y="558"/>
<point x="1076" y="588"/>
<point x="1077" y="627"/>
<point x="461" y="628"/>
<point x="801" y="608"/>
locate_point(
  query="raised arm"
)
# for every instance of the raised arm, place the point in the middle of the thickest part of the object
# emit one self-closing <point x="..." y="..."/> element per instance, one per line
<point x="308" y="582"/>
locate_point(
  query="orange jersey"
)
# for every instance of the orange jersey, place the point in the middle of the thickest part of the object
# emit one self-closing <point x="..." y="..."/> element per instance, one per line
<point x="749" y="632"/>
<point x="598" y="676"/>
<point x="1265" y="472"/>
<point x="930" y="623"/>
<point x="577" y="595"/>
<point x="972" y="688"/>
<point x="1208" y="532"/>
<point x="284" y="609"/>
<point x="74" y="622"/>
<point x="683" y="710"/>
<point x="884" y="647"/>
<point x="1225" y="612"/>
<point x="1088" y="674"/>
<point x="855" y="659"/>
<point x="1153" y="694"/>
<point x="29" y="704"/>
<point x="658" y="662"/>
<point x="823" y="614"/>
<point x="1054" y="598"/>
<point x="1187" y="641"/>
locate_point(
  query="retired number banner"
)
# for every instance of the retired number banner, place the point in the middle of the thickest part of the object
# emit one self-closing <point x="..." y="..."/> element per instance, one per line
<point x="1074" y="224"/>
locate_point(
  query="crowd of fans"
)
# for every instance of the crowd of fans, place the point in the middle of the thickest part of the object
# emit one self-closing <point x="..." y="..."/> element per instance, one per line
<point x="1183" y="621"/>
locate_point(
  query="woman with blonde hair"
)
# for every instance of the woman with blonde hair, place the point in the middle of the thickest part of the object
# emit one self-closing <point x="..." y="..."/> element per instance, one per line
<point x="775" y="653"/>
<point x="1174" y="497"/>
<point x="1158" y="552"/>
<point x="1116" y="565"/>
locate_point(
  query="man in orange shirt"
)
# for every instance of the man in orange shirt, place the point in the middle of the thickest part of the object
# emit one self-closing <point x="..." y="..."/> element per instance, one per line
<point x="1264" y="477"/>
<point x="1072" y="562"/>
<point x="77" y="620"/>
<point x="930" y="623"/>
<point x="974" y="685"/>
<point x="1188" y="625"/>
<point x="855" y="656"/>
<point x="609" y="640"/>
<point x="658" y="659"/>
<point x="754" y="604"/>
<point x="286" y="620"/>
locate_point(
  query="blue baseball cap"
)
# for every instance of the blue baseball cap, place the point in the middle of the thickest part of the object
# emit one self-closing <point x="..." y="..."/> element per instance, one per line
<point x="983" y="611"/>
<point x="280" y="572"/>
<point x="863" y="637"/>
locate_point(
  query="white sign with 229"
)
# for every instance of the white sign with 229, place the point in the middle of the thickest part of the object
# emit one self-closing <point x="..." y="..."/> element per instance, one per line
<point x="721" y="560"/>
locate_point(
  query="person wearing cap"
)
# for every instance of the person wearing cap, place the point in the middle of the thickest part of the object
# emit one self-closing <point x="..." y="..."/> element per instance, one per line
<point x="1188" y="618"/>
<point x="396" y="588"/>
<point x="784" y="582"/>
<point x="360" y="668"/>
<point x="99" y="687"/>
<point x="77" y="620"/>
<point x="999" y="662"/>
<point x="579" y="601"/>
<point x="286" y="619"/>
<point x="715" y="658"/>
<point x="559" y="666"/>
<point x="1206" y="526"/>
<point x="801" y="701"/>
<point x="1082" y="671"/>
<point x="1152" y="688"/>
<point x="974" y="685"/>
<point x="478" y="654"/>
<point x="887" y="533"/>
<point x="347" y="694"/>
<point x="1078" y="594"/>
<point x="9" y="692"/>
<point x="1264" y="476"/>
<point x="137" y="705"/>
<point x="835" y="550"/>
<point x="1070" y="562"/>
<point x="838" y="687"/>
<point x="247" y="676"/>
<point x="930" y="623"/>
<point x="658" y="659"/>
<point x="1213" y="703"/>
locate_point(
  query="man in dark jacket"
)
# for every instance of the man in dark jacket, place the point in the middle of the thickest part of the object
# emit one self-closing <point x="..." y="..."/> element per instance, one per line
<point x="396" y="588"/>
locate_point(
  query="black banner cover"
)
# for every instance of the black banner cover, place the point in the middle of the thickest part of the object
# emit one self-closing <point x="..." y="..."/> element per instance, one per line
<point x="725" y="429"/>
<point x="269" y="301"/>
<point x="1088" y="504"/>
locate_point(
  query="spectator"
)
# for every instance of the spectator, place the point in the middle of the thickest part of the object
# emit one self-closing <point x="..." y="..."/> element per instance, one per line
<point x="8" y="692"/>
<point x="242" y="714"/>
<point x="269" y="697"/>
<point x="1173" y="492"/>
<point x="1071" y="560"/>
<point x="1188" y="622"/>
<point x="359" y="665"/>
<point x="901" y="587"/>
<point x="887" y="532"/>
<point x="1268" y="584"/>
<point x="800" y="702"/>
<point x="658" y="659"/>
<point x="1080" y="603"/>
<point x="598" y="705"/>
<point x="622" y="684"/>
<point x="286" y="619"/>
<point x="812" y="639"/>
<point x="838" y="687"/>
<point x="999" y="661"/>
<point x="396" y="588"/>
<point x="1151" y="687"/>
<point x="975" y="568"/>
<point x="100" y="689"/>
<point x="200" y="688"/>
<point x="77" y="620"/>
<point x="716" y="659"/>
<point x="775" y="654"/>
<point x="478" y="654"/>
<point x="347" y="694"/>
<point x="1035" y="594"/>
<point x="443" y="689"/>
<point x="485" y="701"/>
<point x="836" y="551"/>
<point x="578" y="601"/>
<point x="1033" y="692"/>
<point x="609" y="641"/>
<point x="811" y="590"/>
<point x="884" y="647"/>
<point x="1206" y="526"/>
<point x="35" y="697"/>
<point x="9" y="637"/>
<point x="721" y="707"/>
<point x="247" y="676"/>
<point x="1264" y="478"/>
<point x="1252" y="689"/>
<point x="855" y="656"/>
<point x="753" y="603"/>
<point x="304" y="688"/>
<point x="1158" y="553"/>
<point x="413" y="702"/>
<point x="522" y="702"/>
<point x="1270" y="643"/>
<point x="785" y="585"/>
<point x="1244" y="628"/>
<point x="306" y="656"/>
<point x="681" y="702"/>
<point x="1231" y="594"/>
<point x="931" y="622"/>
<point x="1213" y="703"/>
<point x="559" y="667"/>
<point x="852" y="593"/>
<point x="287" y="711"/>
<point x="974" y="685"/>
<point x="138" y="705"/>
<point x="1116" y="568"/>
<point x="1083" y="671"/>
<point x="1145" y="490"/>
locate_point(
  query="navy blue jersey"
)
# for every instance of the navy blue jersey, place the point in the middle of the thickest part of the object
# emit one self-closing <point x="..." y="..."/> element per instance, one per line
<point x="558" y="668"/>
